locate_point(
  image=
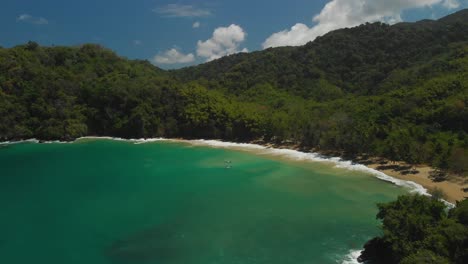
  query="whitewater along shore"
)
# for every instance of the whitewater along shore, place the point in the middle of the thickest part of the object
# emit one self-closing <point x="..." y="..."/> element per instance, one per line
<point x="416" y="178"/>
<point x="452" y="187"/>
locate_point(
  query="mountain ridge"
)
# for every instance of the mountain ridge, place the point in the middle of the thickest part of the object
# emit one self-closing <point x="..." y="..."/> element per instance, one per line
<point x="350" y="47"/>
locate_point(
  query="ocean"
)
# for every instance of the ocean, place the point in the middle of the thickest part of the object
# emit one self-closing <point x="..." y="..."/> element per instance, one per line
<point x="102" y="201"/>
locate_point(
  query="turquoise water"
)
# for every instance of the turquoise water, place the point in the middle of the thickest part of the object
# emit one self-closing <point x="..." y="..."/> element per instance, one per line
<point x="105" y="202"/>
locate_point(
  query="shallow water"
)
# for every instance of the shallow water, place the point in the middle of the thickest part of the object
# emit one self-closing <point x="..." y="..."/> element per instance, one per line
<point x="105" y="202"/>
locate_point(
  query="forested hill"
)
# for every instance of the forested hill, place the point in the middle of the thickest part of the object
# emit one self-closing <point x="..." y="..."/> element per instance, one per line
<point x="356" y="60"/>
<point x="396" y="91"/>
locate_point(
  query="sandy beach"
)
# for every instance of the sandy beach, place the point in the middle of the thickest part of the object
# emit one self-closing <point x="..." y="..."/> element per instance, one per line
<point x="452" y="187"/>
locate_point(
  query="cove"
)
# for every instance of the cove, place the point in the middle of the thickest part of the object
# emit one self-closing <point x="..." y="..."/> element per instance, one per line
<point x="105" y="202"/>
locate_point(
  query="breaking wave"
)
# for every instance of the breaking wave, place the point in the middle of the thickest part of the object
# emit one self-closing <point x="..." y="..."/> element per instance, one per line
<point x="352" y="257"/>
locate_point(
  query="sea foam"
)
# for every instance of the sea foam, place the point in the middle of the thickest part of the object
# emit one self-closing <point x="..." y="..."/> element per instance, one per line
<point x="352" y="257"/>
<point x="32" y="140"/>
<point x="136" y="141"/>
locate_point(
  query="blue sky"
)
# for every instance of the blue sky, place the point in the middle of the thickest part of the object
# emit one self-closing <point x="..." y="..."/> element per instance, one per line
<point x="173" y="34"/>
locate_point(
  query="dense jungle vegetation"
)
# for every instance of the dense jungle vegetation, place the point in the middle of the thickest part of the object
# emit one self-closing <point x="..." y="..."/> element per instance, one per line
<point x="418" y="229"/>
<point x="398" y="91"/>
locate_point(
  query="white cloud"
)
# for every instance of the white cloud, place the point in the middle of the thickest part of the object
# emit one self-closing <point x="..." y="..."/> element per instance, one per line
<point x="451" y="4"/>
<point x="23" y="17"/>
<point x="349" y="13"/>
<point x="196" y="25"/>
<point x="173" y="56"/>
<point x="137" y="42"/>
<point x="225" y="41"/>
<point x="32" y="20"/>
<point x="176" y="10"/>
<point x="299" y="34"/>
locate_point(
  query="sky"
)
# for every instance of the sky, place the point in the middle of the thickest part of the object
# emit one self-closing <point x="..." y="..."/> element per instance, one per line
<point x="174" y="34"/>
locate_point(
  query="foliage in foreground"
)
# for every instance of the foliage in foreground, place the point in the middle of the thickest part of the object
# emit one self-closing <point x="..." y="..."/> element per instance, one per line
<point x="419" y="229"/>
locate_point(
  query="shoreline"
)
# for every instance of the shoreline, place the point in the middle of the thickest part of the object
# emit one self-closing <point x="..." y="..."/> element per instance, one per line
<point x="415" y="182"/>
<point x="415" y="179"/>
<point x="452" y="187"/>
<point x="418" y="182"/>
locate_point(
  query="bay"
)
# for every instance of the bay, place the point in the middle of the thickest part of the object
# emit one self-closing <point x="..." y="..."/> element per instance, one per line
<point x="105" y="202"/>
